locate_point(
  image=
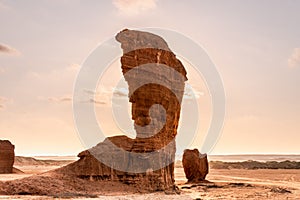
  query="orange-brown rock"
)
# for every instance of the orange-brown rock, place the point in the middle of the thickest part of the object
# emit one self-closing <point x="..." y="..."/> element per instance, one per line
<point x="195" y="165"/>
<point x="156" y="80"/>
<point x="7" y="157"/>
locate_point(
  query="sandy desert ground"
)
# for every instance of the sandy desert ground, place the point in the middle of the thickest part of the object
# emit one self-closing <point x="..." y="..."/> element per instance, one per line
<point x="224" y="184"/>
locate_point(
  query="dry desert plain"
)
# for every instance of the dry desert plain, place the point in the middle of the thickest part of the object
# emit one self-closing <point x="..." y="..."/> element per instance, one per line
<point x="223" y="183"/>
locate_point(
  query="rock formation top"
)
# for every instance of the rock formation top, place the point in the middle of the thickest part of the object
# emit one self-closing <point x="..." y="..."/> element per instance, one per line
<point x="141" y="47"/>
<point x="132" y="40"/>
<point x="154" y="76"/>
<point x="7" y="157"/>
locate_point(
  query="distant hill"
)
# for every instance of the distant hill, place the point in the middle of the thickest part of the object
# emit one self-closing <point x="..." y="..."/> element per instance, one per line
<point x="21" y="160"/>
<point x="250" y="164"/>
<point x="255" y="165"/>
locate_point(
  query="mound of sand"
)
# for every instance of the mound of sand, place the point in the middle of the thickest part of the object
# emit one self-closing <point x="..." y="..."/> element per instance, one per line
<point x="55" y="184"/>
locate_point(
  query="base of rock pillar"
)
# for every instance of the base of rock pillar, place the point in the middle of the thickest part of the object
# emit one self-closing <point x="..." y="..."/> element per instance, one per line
<point x="91" y="166"/>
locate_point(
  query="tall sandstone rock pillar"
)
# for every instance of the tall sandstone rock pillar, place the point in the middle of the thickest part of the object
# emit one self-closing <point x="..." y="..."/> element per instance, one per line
<point x="155" y="77"/>
<point x="7" y="157"/>
<point x="156" y="80"/>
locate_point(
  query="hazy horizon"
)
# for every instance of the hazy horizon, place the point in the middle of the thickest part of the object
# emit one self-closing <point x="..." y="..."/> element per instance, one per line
<point x="223" y="158"/>
<point x="75" y="155"/>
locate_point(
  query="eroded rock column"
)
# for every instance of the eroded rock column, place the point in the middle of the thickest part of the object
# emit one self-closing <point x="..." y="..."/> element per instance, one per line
<point x="156" y="80"/>
<point x="195" y="165"/>
<point x="7" y="157"/>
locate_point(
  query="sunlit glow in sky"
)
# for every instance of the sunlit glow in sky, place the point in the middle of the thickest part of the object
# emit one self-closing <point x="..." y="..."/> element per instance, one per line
<point x="254" y="44"/>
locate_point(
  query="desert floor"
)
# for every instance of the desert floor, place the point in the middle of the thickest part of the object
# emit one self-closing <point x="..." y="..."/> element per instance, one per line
<point x="224" y="184"/>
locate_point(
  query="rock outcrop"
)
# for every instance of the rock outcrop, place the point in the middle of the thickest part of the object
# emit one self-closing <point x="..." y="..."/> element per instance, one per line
<point x="156" y="80"/>
<point x="195" y="165"/>
<point x="7" y="157"/>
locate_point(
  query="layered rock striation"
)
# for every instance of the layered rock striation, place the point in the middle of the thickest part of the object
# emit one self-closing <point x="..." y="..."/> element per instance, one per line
<point x="7" y="157"/>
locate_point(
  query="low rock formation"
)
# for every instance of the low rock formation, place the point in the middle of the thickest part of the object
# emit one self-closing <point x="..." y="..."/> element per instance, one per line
<point x="195" y="165"/>
<point x="156" y="80"/>
<point x="7" y="157"/>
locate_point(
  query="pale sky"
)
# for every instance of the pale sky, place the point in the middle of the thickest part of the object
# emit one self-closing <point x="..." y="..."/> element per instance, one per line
<point x="254" y="44"/>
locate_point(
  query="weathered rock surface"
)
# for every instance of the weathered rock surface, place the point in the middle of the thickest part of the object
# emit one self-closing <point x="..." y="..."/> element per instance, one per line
<point x="195" y="165"/>
<point x="155" y="77"/>
<point x="7" y="157"/>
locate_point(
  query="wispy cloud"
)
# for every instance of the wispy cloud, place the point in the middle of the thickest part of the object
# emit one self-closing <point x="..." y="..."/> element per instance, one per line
<point x="192" y="92"/>
<point x="97" y="97"/>
<point x="134" y="7"/>
<point x="121" y="92"/>
<point x="97" y="102"/>
<point x="103" y="95"/>
<point x="5" y="49"/>
<point x="90" y="92"/>
<point x="62" y="99"/>
<point x="189" y="93"/>
<point x="3" y="102"/>
<point x="294" y="59"/>
<point x="34" y="75"/>
<point x="73" y="67"/>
